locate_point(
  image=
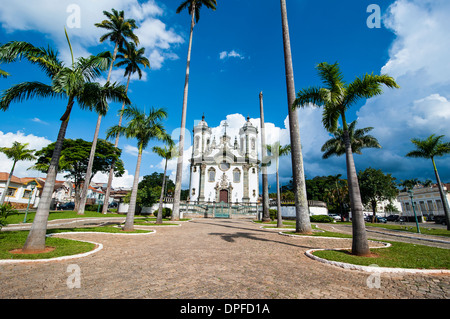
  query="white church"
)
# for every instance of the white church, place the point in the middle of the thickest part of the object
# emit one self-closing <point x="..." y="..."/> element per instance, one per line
<point x="222" y="169"/>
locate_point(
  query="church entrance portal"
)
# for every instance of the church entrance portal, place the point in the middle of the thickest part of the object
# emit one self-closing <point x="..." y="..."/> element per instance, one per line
<point x="223" y="196"/>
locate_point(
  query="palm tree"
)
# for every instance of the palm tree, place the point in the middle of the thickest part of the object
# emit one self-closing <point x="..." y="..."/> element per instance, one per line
<point x="277" y="151"/>
<point x="73" y="83"/>
<point x="194" y="7"/>
<point x="143" y="128"/>
<point x="358" y="141"/>
<point x="165" y="152"/>
<point x="131" y="58"/>
<point x="336" y="97"/>
<point x="429" y="148"/>
<point x="119" y="30"/>
<point x="17" y="152"/>
<point x="302" y="224"/>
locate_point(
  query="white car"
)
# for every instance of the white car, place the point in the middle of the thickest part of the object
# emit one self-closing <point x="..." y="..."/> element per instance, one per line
<point x="335" y="216"/>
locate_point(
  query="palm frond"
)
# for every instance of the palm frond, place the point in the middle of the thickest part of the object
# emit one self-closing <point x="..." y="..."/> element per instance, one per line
<point x="24" y="91"/>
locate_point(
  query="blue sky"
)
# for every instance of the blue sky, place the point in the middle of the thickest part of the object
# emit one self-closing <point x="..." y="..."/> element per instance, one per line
<point x="238" y="52"/>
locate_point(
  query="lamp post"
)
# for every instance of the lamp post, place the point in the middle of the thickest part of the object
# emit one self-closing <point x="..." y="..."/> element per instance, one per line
<point x="411" y="194"/>
<point x="33" y="185"/>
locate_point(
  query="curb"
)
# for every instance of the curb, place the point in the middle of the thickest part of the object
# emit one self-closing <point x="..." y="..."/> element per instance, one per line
<point x="62" y="258"/>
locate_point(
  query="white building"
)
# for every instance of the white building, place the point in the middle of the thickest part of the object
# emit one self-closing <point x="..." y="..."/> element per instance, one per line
<point x="427" y="201"/>
<point x="223" y="170"/>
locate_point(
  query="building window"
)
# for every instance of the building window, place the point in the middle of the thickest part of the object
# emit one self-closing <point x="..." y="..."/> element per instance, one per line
<point x="254" y="193"/>
<point x="27" y="193"/>
<point x="236" y="175"/>
<point x="211" y="175"/>
<point x="253" y="144"/>
<point x="194" y="169"/>
<point x="197" y="142"/>
<point x="253" y="170"/>
<point x="193" y="191"/>
<point x="224" y="166"/>
<point x="408" y="208"/>
<point x="439" y="204"/>
<point x="11" y="192"/>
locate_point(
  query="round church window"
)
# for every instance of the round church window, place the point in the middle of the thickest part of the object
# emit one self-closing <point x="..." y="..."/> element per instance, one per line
<point x="224" y="166"/>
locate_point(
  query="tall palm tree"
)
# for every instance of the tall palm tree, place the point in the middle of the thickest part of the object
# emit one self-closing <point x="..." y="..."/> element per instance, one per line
<point x="430" y="148"/>
<point x="302" y="224"/>
<point x="119" y="30"/>
<point x="193" y="7"/>
<point x="73" y="83"/>
<point x="337" y="97"/>
<point x="17" y="152"/>
<point x="358" y="141"/>
<point x="143" y="128"/>
<point x="131" y="58"/>
<point x="167" y="153"/>
<point x="277" y="151"/>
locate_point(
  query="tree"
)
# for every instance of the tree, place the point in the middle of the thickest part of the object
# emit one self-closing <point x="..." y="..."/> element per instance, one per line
<point x="277" y="151"/>
<point x="75" y="158"/>
<point x="358" y="141"/>
<point x="337" y="97"/>
<point x="119" y="30"/>
<point x="375" y="187"/>
<point x="72" y="82"/>
<point x="17" y="152"/>
<point x="430" y="148"/>
<point x="165" y="152"/>
<point x="302" y="224"/>
<point x="143" y="128"/>
<point x="193" y="7"/>
<point x="131" y="58"/>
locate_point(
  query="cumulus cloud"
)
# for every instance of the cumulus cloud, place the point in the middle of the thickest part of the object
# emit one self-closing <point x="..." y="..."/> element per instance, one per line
<point x="79" y="17"/>
<point x="418" y="60"/>
<point x="21" y="169"/>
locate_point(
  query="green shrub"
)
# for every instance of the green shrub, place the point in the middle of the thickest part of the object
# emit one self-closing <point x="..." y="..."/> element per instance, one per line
<point x="93" y="208"/>
<point x="166" y="212"/>
<point x="273" y="214"/>
<point x="321" y="219"/>
<point x="5" y="211"/>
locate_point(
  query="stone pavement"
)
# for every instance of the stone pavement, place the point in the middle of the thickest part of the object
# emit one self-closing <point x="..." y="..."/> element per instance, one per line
<point x="210" y="258"/>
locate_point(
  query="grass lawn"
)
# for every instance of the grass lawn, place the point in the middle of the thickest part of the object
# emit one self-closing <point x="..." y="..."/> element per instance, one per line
<point x="18" y="218"/>
<point x="399" y="255"/>
<point x="63" y="247"/>
<point x="10" y="240"/>
<point x="423" y="229"/>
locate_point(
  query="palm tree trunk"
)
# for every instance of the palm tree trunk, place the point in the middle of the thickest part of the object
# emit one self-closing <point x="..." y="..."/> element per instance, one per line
<point x="265" y="184"/>
<point x="7" y="183"/>
<point x="179" y="174"/>
<point x="111" y="171"/>
<point x="160" y="208"/>
<point x="279" y="220"/>
<point x="303" y="224"/>
<point x="87" y="177"/>
<point x="129" y="221"/>
<point x="360" y="245"/>
<point x="36" y="237"/>
<point x="441" y="193"/>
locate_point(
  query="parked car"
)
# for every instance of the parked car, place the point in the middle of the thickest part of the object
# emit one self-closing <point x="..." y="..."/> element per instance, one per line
<point x="67" y="206"/>
<point x="378" y="219"/>
<point x="335" y="216"/>
<point x="393" y="218"/>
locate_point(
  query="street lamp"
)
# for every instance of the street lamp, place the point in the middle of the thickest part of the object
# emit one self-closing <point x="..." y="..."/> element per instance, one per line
<point x="33" y="186"/>
<point x="411" y="194"/>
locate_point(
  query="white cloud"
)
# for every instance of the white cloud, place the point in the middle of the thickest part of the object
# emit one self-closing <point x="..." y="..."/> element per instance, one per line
<point x="133" y="150"/>
<point x="418" y="60"/>
<point x="49" y="17"/>
<point x="232" y="54"/>
<point x="38" y="120"/>
<point x="21" y="169"/>
<point x="125" y="181"/>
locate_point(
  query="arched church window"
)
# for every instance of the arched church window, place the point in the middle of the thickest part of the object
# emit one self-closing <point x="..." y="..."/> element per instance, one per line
<point x="211" y="175"/>
<point x="224" y="166"/>
<point x="253" y="170"/>
<point x="236" y="175"/>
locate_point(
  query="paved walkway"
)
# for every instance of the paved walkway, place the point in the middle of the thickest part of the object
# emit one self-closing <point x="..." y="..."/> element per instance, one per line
<point x="210" y="258"/>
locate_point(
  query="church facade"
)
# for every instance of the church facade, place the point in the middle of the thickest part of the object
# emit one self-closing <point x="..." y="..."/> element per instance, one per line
<point x="224" y="170"/>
